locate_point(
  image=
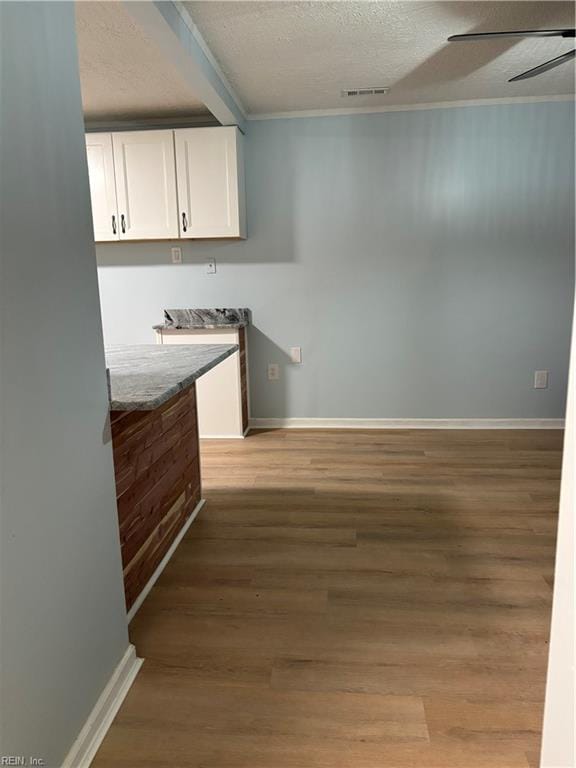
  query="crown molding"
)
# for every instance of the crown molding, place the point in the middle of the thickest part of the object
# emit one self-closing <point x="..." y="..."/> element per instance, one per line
<point x="407" y="107"/>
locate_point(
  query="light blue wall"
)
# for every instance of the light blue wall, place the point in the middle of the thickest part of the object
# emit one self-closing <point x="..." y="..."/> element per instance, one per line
<point x="62" y="611"/>
<point x="423" y="260"/>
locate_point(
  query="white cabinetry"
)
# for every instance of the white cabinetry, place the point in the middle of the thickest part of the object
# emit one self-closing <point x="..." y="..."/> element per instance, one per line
<point x="164" y="185"/>
<point x="102" y="186"/>
<point x="145" y="184"/>
<point x="222" y="393"/>
<point x="210" y="175"/>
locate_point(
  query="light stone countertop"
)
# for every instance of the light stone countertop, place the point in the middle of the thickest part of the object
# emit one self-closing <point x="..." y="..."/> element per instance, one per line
<point x="144" y="376"/>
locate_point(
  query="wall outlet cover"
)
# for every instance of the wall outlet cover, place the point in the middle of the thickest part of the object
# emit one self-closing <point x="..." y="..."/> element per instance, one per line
<point x="211" y="267"/>
<point x="273" y="371"/>
<point x="540" y="379"/>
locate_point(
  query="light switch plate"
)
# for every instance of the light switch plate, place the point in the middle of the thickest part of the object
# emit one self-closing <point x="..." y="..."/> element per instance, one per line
<point x="296" y="354"/>
<point x="540" y="379"/>
<point x="176" y="255"/>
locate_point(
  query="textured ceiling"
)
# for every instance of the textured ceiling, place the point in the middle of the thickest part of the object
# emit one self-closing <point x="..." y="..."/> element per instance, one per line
<point x="285" y="56"/>
<point x="122" y="73"/>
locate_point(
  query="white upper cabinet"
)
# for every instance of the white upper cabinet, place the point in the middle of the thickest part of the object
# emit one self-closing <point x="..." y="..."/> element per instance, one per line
<point x="164" y="185"/>
<point x="210" y="174"/>
<point x="102" y="186"/>
<point x="145" y="185"/>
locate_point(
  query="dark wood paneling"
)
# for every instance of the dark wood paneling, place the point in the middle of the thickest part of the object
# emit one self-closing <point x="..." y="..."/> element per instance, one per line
<point x="157" y="470"/>
<point x="243" y="377"/>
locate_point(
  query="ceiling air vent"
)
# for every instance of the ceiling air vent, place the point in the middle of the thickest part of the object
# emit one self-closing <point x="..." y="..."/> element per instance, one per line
<point x="365" y="91"/>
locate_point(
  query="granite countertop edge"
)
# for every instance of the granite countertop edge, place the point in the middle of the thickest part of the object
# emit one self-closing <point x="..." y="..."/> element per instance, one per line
<point x="150" y="404"/>
<point x="202" y="327"/>
<point x="199" y="318"/>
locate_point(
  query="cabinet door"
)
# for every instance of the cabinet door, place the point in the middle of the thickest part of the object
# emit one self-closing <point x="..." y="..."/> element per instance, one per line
<point x="145" y="184"/>
<point x="210" y="182"/>
<point x="102" y="186"/>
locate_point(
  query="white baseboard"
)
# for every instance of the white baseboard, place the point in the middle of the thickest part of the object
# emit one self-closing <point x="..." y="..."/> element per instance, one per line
<point x="104" y="711"/>
<point x="226" y="437"/>
<point x="222" y="437"/>
<point x="152" y="580"/>
<point x="406" y="423"/>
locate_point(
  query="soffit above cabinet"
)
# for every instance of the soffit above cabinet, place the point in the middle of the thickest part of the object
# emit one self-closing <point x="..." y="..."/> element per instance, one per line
<point x="123" y="74"/>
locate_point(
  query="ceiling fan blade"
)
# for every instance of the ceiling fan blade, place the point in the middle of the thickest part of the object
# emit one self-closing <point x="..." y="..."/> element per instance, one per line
<point x="544" y="67"/>
<point x="526" y="33"/>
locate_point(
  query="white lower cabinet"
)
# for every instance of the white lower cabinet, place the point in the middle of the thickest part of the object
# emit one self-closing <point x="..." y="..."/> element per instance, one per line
<point x="222" y="393"/>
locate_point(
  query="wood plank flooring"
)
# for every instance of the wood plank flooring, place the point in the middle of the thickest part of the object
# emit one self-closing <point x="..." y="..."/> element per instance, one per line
<point x="352" y="599"/>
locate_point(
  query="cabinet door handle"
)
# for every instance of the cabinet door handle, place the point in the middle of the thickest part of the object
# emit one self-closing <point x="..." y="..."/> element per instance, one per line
<point x="184" y="222"/>
<point x="113" y="224"/>
<point x="123" y="223"/>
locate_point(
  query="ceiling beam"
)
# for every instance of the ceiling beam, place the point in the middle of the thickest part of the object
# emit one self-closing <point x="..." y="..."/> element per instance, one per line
<point x="170" y="28"/>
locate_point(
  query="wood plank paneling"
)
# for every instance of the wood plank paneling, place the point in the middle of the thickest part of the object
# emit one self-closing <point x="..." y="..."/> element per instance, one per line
<point x="375" y="599"/>
<point x="243" y="377"/>
<point x="157" y="468"/>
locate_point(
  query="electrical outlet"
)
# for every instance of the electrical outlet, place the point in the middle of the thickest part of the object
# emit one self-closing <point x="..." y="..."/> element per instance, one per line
<point x="296" y="354"/>
<point x="211" y="267"/>
<point x="273" y="371"/>
<point x="540" y="379"/>
<point x="176" y="255"/>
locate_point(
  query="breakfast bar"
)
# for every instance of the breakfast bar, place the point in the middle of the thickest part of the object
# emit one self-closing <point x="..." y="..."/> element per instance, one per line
<point x="154" y="429"/>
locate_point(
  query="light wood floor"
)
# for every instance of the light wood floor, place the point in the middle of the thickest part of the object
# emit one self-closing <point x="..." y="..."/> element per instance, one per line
<point x="352" y="599"/>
